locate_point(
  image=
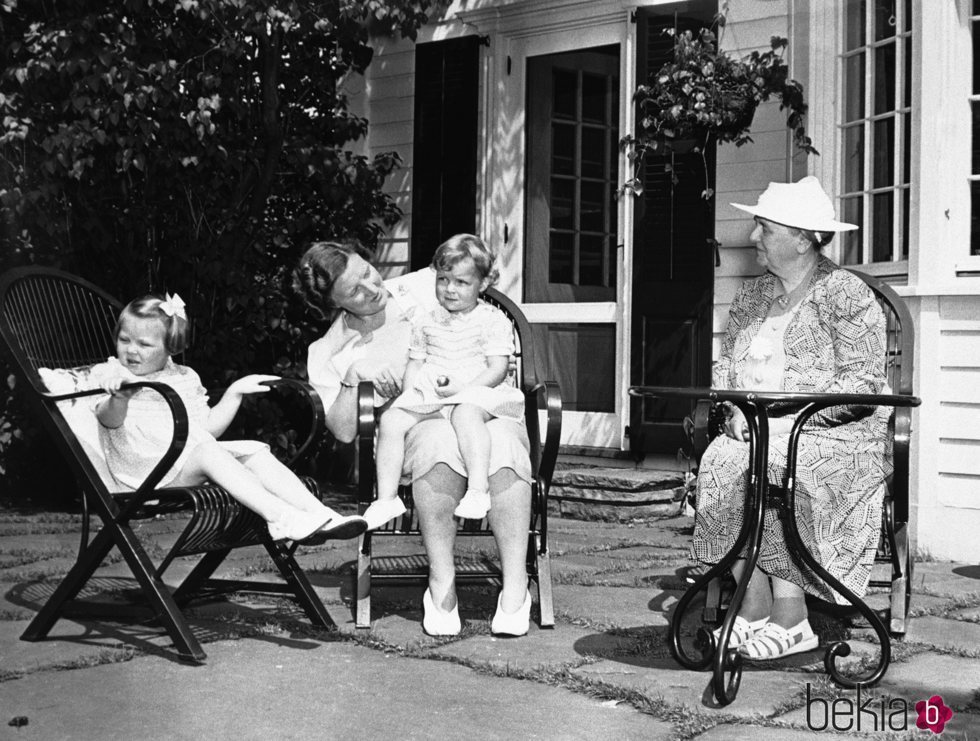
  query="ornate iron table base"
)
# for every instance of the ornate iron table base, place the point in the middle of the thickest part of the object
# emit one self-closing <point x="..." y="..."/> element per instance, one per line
<point x="725" y="663"/>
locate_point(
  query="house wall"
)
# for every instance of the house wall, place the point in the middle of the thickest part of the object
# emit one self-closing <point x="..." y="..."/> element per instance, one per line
<point x="742" y="173"/>
<point x="941" y="287"/>
<point x="385" y="97"/>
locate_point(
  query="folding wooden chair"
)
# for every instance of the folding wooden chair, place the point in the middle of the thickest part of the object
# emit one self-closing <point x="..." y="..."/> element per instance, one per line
<point x="51" y="319"/>
<point x="894" y="548"/>
<point x="540" y="396"/>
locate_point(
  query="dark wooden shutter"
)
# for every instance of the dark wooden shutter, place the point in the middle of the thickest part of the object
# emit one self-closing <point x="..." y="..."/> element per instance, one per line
<point x="444" y="156"/>
<point x="673" y="261"/>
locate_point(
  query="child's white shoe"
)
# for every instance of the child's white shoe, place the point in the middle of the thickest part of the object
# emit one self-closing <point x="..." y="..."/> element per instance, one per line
<point x="295" y="524"/>
<point x="474" y="505"/>
<point x="381" y="511"/>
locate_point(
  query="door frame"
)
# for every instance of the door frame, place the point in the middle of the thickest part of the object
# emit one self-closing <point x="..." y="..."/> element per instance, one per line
<point x="504" y="191"/>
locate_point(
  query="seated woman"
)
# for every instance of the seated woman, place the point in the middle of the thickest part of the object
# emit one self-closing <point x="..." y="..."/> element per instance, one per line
<point x="369" y="341"/>
<point x="804" y="325"/>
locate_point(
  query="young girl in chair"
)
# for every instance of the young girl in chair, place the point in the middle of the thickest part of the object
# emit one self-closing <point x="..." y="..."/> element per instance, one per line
<point x="136" y="427"/>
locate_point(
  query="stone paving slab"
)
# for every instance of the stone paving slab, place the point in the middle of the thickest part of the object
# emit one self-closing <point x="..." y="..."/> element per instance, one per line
<point x="761" y="694"/>
<point x="955" y="635"/>
<point x="942" y="579"/>
<point x="332" y="690"/>
<point x="615" y="607"/>
<point x="558" y="648"/>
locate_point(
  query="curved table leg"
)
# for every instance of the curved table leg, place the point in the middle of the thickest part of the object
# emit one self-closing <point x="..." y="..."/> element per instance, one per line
<point x="720" y="657"/>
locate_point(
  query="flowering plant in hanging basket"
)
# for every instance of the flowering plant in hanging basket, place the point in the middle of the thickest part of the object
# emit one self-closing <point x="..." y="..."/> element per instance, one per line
<point x="709" y="96"/>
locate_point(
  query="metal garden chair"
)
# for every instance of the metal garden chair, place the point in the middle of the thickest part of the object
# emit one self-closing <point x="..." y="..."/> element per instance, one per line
<point x="540" y="396"/>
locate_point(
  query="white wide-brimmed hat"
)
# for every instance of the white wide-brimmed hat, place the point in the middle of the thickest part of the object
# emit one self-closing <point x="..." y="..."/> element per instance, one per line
<point x="802" y="204"/>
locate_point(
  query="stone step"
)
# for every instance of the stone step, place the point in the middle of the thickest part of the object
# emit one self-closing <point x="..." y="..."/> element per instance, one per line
<point x="615" y="494"/>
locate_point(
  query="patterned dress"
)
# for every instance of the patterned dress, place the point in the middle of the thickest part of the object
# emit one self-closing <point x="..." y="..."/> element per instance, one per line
<point x="135" y="447"/>
<point x="834" y="342"/>
<point x="457" y="345"/>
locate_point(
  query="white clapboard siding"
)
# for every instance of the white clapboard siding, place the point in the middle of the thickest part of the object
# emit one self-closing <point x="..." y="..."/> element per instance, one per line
<point x="742" y="173"/>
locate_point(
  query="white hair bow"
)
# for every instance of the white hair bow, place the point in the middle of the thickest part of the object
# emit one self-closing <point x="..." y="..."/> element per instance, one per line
<point x="173" y="306"/>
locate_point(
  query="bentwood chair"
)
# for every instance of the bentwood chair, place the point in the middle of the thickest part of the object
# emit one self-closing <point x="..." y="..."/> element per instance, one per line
<point x="51" y="319"/>
<point x="541" y="397"/>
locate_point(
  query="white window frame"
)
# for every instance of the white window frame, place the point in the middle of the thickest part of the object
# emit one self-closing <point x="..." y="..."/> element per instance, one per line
<point x="902" y="116"/>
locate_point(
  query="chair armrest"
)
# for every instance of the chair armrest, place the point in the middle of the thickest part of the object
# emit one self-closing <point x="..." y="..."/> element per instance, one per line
<point x="318" y="416"/>
<point x="178" y="411"/>
<point x="544" y="456"/>
<point x="366" y="424"/>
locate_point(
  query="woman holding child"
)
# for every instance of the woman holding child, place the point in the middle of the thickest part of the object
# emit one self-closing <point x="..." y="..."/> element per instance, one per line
<point x="438" y="415"/>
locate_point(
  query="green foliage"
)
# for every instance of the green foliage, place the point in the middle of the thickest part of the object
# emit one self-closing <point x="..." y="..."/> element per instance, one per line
<point x="194" y="146"/>
<point x="707" y="95"/>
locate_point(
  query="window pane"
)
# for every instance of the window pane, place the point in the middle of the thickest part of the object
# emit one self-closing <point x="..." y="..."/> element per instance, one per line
<point x="884" y="153"/>
<point x="593" y="152"/>
<point x="885" y="19"/>
<point x="906" y="192"/>
<point x="560" y="256"/>
<point x="562" y="203"/>
<point x="884" y="79"/>
<point x="593" y="98"/>
<point x="975" y="109"/>
<point x="906" y="149"/>
<point x="854" y="18"/>
<point x="907" y="51"/>
<point x="881" y="227"/>
<point x="976" y="57"/>
<point x="854" y="158"/>
<point x="563" y="149"/>
<point x="565" y="83"/>
<point x="611" y="200"/>
<point x="852" y="212"/>
<point x="975" y="218"/>
<point x="854" y="88"/>
<point x="591" y="249"/>
<point x="908" y="15"/>
<point x="592" y="216"/>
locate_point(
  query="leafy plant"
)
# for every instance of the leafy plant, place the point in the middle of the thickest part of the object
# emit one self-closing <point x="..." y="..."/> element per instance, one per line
<point x="709" y="96"/>
<point x="193" y="146"/>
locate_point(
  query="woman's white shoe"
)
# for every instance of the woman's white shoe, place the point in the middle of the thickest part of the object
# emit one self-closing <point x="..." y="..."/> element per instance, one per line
<point x="435" y="622"/>
<point x="512" y="623"/>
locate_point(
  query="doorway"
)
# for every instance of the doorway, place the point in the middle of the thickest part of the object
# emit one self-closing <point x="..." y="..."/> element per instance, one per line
<point x="571" y="227"/>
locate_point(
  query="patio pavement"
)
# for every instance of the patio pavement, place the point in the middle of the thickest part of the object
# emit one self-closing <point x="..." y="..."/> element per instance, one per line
<point x="604" y="671"/>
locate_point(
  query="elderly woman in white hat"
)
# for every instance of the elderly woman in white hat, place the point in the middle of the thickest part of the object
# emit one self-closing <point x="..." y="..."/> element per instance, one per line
<point x="804" y="325"/>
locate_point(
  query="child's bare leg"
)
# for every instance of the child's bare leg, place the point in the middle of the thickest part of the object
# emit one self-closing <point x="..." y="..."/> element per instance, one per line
<point x="209" y="461"/>
<point x="389" y="456"/>
<point x="470" y="423"/>
<point x="279" y="480"/>
<point x="212" y="462"/>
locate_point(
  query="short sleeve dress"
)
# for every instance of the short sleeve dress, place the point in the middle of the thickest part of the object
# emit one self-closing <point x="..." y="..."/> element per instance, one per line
<point x="457" y="345"/>
<point x="135" y="447"/>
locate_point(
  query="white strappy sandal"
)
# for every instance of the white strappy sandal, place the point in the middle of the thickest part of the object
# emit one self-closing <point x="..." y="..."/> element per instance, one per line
<point x="775" y="642"/>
